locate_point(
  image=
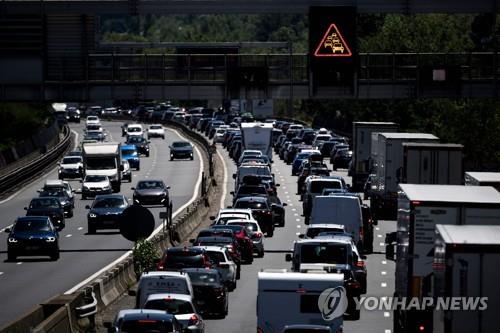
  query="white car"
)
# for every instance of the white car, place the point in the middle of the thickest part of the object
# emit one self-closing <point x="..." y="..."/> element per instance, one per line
<point x="135" y="129"/>
<point x="314" y="230"/>
<point x="256" y="233"/>
<point x="220" y="256"/>
<point x="71" y="167"/>
<point x="227" y="214"/>
<point x="181" y="306"/>
<point x="127" y="172"/>
<point x="219" y="135"/>
<point x="93" y="185"/>
<point x="92" y="120"/>
<point x="156" y="131"/>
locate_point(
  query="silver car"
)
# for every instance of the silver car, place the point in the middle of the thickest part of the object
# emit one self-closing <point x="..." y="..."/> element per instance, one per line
<point x="223" y="263"/>
<point x="257" y="235"/>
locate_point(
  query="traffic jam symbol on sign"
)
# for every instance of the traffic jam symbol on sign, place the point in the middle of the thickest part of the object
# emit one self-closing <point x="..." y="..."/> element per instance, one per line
<point x="333" y="44"/>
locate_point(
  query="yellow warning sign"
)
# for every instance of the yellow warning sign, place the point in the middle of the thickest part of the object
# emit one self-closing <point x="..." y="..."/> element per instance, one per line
<point x="333" y="44"/>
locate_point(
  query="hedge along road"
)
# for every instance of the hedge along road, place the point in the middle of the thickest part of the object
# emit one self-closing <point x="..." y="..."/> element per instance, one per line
<point x="31" y="280"/>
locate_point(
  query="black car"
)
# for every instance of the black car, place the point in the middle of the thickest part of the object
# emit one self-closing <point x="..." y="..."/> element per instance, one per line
<point x="151" y="192"/>
<point x="141" y="143"/>
<point x="32" y="235"/>
<point x="64" y="199"/>
<point x="342" y="158"/>
<point x="181" y="257"/>
<point x="261" y="210"/>
<point x="181" y="149"/>
<point x="106" y="212"/>
<point x="47" y="206"/>
<point x="73" y="114"/>
<point x="245" y="190"/>
<point x="210" y="294"/>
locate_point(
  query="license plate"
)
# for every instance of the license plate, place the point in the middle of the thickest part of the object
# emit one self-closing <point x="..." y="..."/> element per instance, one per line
<point x="32" y="248"/>
<point x="108" y="222"/>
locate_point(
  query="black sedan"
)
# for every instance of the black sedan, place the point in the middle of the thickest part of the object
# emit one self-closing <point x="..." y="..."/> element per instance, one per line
<point x="141" y="143"/>
<point x="210" y="294"/>
<point x="151" y="192"/>
<point x="106" y="212"/>
<point x="47" y="206"/>
<point x="32" y="235"/>
<point x="64" y="199"/>
<point x="181" y="149"/>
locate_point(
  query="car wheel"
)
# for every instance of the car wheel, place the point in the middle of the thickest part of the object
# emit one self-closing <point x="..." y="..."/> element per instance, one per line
<point x="84" y="197"/>
<point x="192" y="158"/>
<point x="270" y="233"/>
<point x="232" y="286"/>
<point x="163" y="137"/>
<point x="70" y="214"/>
<point x="171" y="158"/>
<point x="261" y="254"/>
<point x="306" y="219"/>
<point x="138" y="168"/>
<point x="238" y="272"/>
<point x="11" y="256"/>
<point x="55" y="255"/>
<point x="91" y="230"/>
<point x="147" y="155"/>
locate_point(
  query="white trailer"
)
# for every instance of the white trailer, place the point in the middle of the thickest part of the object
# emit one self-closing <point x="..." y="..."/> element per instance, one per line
<point x="432" y="163"/>
<point x="389" y="170"/>
<point x="361" y="148"/>
<point x="258" y="136"/>
<point x="420" y="209"/>
<point x="466" y="265"/>
<point x="290" y="298"/>
<point x="104" y="158"/>
<point x="483" y="179"/>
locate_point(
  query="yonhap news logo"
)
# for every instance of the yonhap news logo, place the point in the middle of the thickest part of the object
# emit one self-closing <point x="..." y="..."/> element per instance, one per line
<point x="332" y="303"/>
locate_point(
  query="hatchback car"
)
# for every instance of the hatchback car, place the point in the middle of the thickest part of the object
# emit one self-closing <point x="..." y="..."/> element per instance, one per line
<point x="143" y="321"/>
<point x="140" y="143"/>
<point x="151" y="192"/>
<point x="106" y="212"/>
<point x="156" y="131"/>
<point x="93" y="185"/>
<point x="181" y="149"/>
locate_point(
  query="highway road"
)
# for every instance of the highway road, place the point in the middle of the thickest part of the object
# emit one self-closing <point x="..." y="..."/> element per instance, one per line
<point x="242" y="302"/>
<point x="31" y="281"/>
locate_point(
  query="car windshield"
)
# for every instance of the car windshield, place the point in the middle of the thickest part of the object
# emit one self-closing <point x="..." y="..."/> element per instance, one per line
<point x="128" y="152"/>
<point x="251" y="190"/>
<point x="32" y="225"/>
<point x="254" y="171"/>
<point x="109" y="203"/>
<point x="250" y="204"/>
<point x="92" y="118"/>
<point x="146" y="326"/>
<point x="216" y="257"/>
<point x="45" y="203"/>
<point x="144" y="185"/>
<point x="313" y="232"/>
<point x="71" y="160"/>
<point x="91" y="135"/>
<point x="95" y="179"/>
<point x="224" y="218"/>
<point x="99" y="163"/>
<point x="184" y="260"/>
<point x="318" y="186"/>
<point x="251" y="227"/>
<point x="170" y="305"/>
<point x="323" y="253"/>
<point x="54" y="193"/>
<point x="133" y="129"/>
<point x="181" y="144"/>
<point x="202" y="277"/>
<point x="155" y="127"/>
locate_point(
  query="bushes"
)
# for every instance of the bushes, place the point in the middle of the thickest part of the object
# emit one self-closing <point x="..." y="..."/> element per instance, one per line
<point x="145" y="257"/>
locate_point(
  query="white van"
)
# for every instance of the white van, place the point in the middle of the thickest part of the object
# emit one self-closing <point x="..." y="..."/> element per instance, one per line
<point x="337" y="209"/>
<point x="289" y="298"/>
<point x="161" y="283"/>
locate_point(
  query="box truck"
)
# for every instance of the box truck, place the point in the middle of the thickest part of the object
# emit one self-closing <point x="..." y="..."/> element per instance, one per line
<point x="258" y="136"/>
<point x="289" y="298"/>
<point x="361" y="148"/>
<point x="420" y="209"/>
<point x="432" y="163"/>
<point x="104" y="158"/>
<point x="466" y="265"/>
<point x="483" y="179"/>
<point x="388" y="170"/>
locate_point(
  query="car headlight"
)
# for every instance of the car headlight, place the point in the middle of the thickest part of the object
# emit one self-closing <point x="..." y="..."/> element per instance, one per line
<point x="92" y="215"/>
<point x="50" y="239"/>
<point x="85" y="188"/>
<point x="107" y="188"/>
<point x="64" y="203"/>
<point x="12" y="240"/>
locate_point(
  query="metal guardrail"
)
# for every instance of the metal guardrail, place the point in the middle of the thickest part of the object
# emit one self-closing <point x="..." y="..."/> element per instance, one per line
<point x="25" y="173"/>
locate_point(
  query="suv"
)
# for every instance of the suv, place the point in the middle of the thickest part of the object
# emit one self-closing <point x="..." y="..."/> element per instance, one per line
<point x="222" y="261"/>
<point x="262" y="210"/>
<point x="140" y="143"/>
<point x="47" y="206"/>
<point x="71" y="167"/>
<point x="314" y="186"/>
<point x="180" y="257"/>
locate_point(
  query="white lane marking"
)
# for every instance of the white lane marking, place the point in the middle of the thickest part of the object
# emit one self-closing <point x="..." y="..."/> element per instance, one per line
<point x="1" y="273"/>
<point x="295" y="214"/>
<point x="294" y="210"/>
<point x="224" y="181"/>
<point x="80" y="228"/>
<point x="12" y="196"/>
<point x="387" y="331"/>
<point x="299" y="226"/>
<point x="146" y="176"/>
<point x="384" y="262"/>
<point x="383" y="285"/>
<point x="383" y="273"/>
<point x="382" y="244"/>
<point x="9" y="226"/>
<point x="286" y="192"/>
<point x="377" y="228"/>
<point x="19" y="263"/>
<point x="284" y="187"/>
<point x="290" y="205"/>
<point x="297" y="233"/>
<point x="298" y="220"/>
<point x="156" y="231"/>
<point x="379" y="236"/>
<point x="68" y="235"/>
<point x="387" y="315"/>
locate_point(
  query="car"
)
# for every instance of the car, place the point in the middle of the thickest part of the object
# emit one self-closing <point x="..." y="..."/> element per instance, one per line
<point x="32" y="235"/>
<point x="53" y="184"/>
<point x="135" y="129"/>
<point x="222" y="261"/>
<point x="92" y="120"/>
<point x="306" y="329"/>
<point x="71" y="167"/>
<point x="245" y="190"/>
<point x="249" y="153"/>
<point x="313" y="186"/>
<point x="47" y="206"/>
<point x="106" y="212"/>
<point x="156" y="131"/>
<point x="299" y="158"/>
<point x="256" y="234"/>
<point x="140" y="143"/>
<point x="130" y="154"/>
<point x="313" y="230"/>
<point x="75" y="152"/>
<point x="261" y="210"/>
<point x="342" y="158"/>
<point x="179" y="305"/>
<point x="151" y="192"/>
<point x="143" y="321"/>
<point x="228" y="214"/>
<point x="244" y="240"/>
<point x="93" y="185"/>
<point x="180" y="257"/>
<point x="124" y="128"/>
<point x="94" y="135"/>
<point x="181" y="149"/>
<point x="340" y="145"/>
<point x="127" y="172"/>
<point x="210" y="293"/>
<point x="63" y="198"/>
<point x="73" y="114"/>
<point x="230" y="243"/>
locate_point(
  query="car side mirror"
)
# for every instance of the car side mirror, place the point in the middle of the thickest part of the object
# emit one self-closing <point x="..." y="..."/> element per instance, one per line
<point x="277" y="185"/>
<point x="363" y="257"/>
<point x="87" y="207"/>
<point x="170" y="147"/>
<point x="149" y="141"/>
<point x="132" y="188"/>
<point x="58" y="163"/>
<point x="212" y="218"/>
<point x="25" y="208"/>
<point x="121" y="167"/>
<point x="232" y="192"/>
<point x="39" y="191"/>
<point x="81" y="180"/>
<point x="234" y="176"/>
<point x="132" y="292"/>
<point x="288" y="257"/>
<point x="302" y="236"/>
<point x="284" y="204"/>
<point x="192" y="240"/>
<point x="167" y="187"/>
<point x="7" y="230"/>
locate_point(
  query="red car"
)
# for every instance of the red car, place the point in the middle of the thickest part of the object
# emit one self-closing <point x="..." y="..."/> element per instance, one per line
<point x="244" y="240"/>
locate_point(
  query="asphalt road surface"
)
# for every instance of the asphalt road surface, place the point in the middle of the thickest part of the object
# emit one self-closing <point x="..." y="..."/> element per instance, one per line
<point x="30" y="281"/>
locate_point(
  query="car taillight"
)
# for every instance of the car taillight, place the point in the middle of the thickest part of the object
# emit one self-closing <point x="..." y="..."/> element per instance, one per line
<point x="193" y="320"/>
<point x="230" y="248"/>
<point x="353" y="285"/>
<point x="360" y="263"/>
<point x="161" y="265"/>
<point x="257" y="235"/>
<point x="218" y="290"/>
<point x="260" y="330"/>
<point x="339" y="330"/>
